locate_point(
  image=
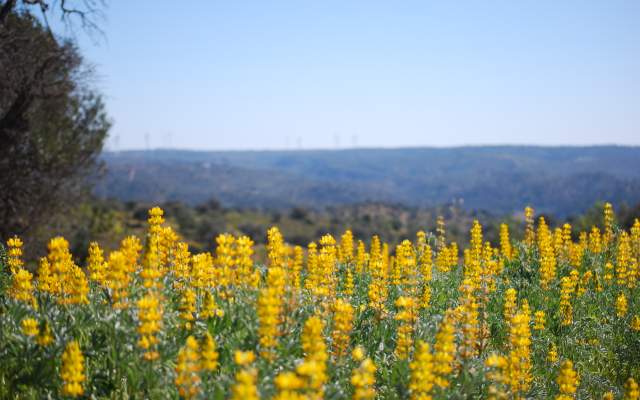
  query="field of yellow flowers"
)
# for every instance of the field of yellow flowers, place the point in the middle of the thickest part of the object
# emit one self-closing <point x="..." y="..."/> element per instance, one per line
<point x="553" y="315"/>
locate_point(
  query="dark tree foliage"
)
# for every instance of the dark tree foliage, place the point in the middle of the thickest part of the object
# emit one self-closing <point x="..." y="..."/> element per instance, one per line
<point x="52" y="123"/>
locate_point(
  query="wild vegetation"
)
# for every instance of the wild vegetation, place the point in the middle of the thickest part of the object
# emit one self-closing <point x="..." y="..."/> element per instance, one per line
<point x="553" y="314"/>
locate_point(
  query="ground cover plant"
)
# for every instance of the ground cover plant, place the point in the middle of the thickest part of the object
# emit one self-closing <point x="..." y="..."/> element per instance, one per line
<point x="551" y="315"/>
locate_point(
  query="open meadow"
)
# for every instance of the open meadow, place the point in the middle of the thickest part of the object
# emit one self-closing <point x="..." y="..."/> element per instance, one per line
<point x="554" y="314"/>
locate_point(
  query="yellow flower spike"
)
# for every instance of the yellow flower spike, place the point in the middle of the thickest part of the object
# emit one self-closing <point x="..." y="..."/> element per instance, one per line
<point x="209" y="353"/>
<point x="150" y="322"/>
<point x="552" y="354"/>
<point x="568" y="381"/>
<point x="187" y="367"/>
<point x="72" y="371"/>
<point x="244" y="357"/>
<point x="29" y="327"/>
<point x="22" y="287"/>
<point x="608" y="223"/>
<point x="210" y="308"/>
<point x="346" y="247"/>
<point x="566" y="309"/>
<point x="288" y="385"/>
<point x="509" y="307"/>
<point x="363" y="380"/>
<point x="342" y="326"/>
<point x="441" y="240"/>
<point x="623" y="259"/>
<point x="529" y="235"/>
<point x="500" y="373"/>
<point x="444" y="350"/>
<point x="422" y="373"/>
<point x="45" y="337"/>
<point x="96" y="263"/>
<point x="361" y="257"/>
<point x="313" y="368"/>
<point x="631" y="390"/>
<point x="621" y="305"/>
<point x="269" y="309"/>
<point x="635" y="323"/>
<point x="245" y="387"/>
<point x="505" y="243"/>
<point x="358" y="353"/>
<point x="14" y="252"/>
<point x="407" y="315"/>
<point x="548" y="260"/>
<point x="187" y="307"/>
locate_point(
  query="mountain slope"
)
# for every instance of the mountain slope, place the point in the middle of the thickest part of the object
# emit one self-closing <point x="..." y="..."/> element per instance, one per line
<point x="560" y="180"/>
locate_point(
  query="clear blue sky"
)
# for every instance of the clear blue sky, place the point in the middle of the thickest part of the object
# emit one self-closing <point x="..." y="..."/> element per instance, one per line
<point x="320" y="74"/>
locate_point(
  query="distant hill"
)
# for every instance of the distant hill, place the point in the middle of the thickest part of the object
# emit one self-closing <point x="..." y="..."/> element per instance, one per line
<point x="500" y="179"/>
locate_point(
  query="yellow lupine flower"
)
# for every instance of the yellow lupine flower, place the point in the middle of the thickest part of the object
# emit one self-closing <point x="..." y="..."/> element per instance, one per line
<point x="539" y="320"/>
<point x="187" y="307"/>
<point x="425" y="299"/>
<point x="45" y="337"/>
<point x="69" y="281"/>
<point x="361" y="257"/>
<point x="422" y="373"/>
<point x="468" y="319"/>
<point x="150" y="323"/>
<point x="621" y="305"/>
<point x="288" y="385"/>
<point x="117" y="279"/>
<point x="529" y="235"/>
<point x="275" y="248"/>
<point x="444" y="351"/>
<point x="22" y="287"/>
<point x="210" y="308"/>
<point x="635" y="323"/>
<point x="72" y="371"/>
<point x="245" y="387"/>
<point x="595" y="240"/>
<point x="631" y="390"/>
<point x="566" y="309"/>
<point x="623" y="258"/>
<point x="269" y="309"/>
<point x="181" y="266"/>
<point x="378" y="288"/>
<point x="509" y="307"/>
<point x="552" y="354"/>
<point x="505" y="242"/>
<point x="441" y="240"/>
<point x="608" y="223"/>
<point x="29" y="326"/>
<point x="568" y="380"/>
<point x="363" y="380"/>
<point x="346" y="247"/>
<point x="547" y="255"/>
<point x="187" y="367"/>
<point x="209" y="353"/>
<point x="96" y="264"/>
<point x="342" y="326"/>
<point x="296" y="268"/>
<point x="519" y="358"/>
<point x="407" y="314"/>
<point x="313" y="368"/>
<point x="14" y="253"/>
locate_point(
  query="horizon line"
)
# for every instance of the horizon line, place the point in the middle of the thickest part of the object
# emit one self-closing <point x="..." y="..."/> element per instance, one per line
<point x="351" y="148"/>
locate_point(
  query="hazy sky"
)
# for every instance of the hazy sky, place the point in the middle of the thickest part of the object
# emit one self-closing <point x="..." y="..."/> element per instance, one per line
<point x="324" y="74"/>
